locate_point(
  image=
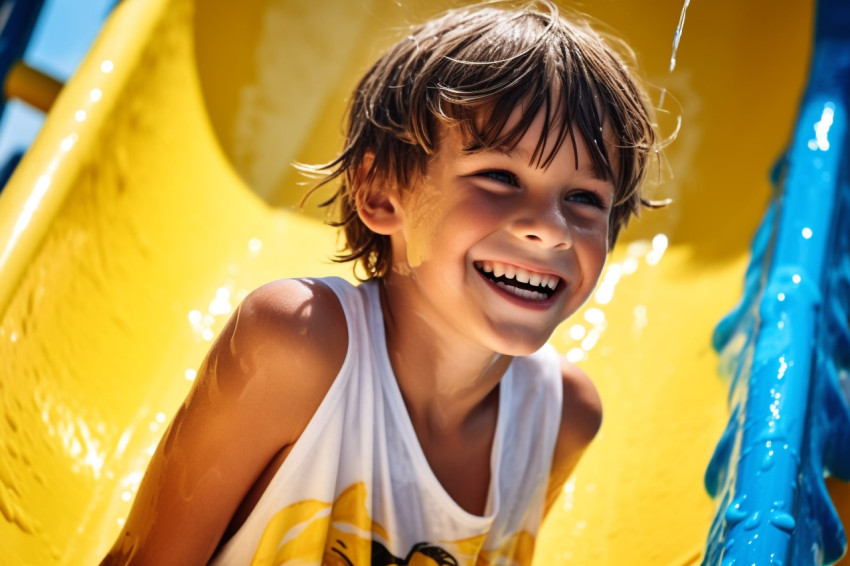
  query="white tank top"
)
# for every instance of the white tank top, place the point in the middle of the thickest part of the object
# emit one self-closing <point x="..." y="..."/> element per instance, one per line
<point x="356" y="489"/>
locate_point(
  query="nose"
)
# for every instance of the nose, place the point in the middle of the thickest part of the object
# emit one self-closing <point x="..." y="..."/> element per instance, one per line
<point x="546" y="226"/>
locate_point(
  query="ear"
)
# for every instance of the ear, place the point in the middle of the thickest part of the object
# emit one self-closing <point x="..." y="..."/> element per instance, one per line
<point x="377" y="206"/>
<point x="379" y="209"/>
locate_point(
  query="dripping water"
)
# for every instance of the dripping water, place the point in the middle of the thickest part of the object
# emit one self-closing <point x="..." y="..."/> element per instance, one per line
<point x="678" y="35"/>
<point x="676" y="38"/>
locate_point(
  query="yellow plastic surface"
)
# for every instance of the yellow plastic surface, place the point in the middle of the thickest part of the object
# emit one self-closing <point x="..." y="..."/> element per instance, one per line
<point x="129" y="233"/>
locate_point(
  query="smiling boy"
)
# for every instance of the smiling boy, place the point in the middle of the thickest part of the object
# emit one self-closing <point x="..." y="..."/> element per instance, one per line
<point x="491" y="159"/>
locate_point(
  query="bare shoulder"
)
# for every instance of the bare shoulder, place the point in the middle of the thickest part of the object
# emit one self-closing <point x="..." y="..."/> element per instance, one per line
<point x="288" y="305"/>
<point x="292" y="334"/>
<point x="581" y="417"/>
<point x="255" y="392"/>
<point x="291" y="312"/>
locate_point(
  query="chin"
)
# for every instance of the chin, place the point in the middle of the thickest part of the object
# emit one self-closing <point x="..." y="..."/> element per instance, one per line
<point x="521" y="345"/>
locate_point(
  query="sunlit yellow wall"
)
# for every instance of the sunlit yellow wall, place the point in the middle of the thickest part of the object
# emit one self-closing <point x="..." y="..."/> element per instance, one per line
<point x="143" y="234"/>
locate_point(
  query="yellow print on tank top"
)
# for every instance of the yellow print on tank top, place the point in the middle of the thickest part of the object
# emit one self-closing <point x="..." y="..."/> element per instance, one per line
<point x="313" y="532"/>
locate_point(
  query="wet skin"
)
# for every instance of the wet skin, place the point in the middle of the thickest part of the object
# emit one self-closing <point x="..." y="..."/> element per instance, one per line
<point x="495" y="207"/>
<point x="452" y="330"/>
<point x="451" y="333"/>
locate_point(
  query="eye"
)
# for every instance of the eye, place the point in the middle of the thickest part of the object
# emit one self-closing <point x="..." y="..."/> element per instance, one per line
<point x="586" y="197"/>
<point x="501" y="176"/>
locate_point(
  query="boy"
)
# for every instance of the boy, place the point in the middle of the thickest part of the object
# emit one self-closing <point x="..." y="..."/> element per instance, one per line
<point x="491" y="158"/>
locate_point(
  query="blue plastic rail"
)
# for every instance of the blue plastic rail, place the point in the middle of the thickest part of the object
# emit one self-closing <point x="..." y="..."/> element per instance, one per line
<point x="786" y="346"/>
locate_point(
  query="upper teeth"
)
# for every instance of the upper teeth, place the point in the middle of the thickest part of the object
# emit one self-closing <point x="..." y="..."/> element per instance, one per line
<point x="499" y="269"/>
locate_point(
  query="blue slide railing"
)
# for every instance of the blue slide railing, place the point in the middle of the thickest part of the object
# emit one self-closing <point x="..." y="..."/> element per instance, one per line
<point x="786" y="346"/>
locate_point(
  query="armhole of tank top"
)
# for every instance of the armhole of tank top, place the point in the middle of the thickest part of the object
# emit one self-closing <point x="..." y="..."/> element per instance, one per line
<point x="547" y="362"/>
<point x="346" y="294"/>
<point x="555" y="385"/>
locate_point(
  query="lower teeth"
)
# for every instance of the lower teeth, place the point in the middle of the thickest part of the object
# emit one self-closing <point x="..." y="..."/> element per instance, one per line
<point x="523" y="293"/>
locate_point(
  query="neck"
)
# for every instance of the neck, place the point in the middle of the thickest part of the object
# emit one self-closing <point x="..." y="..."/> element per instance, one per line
<point x="447" y="382"/>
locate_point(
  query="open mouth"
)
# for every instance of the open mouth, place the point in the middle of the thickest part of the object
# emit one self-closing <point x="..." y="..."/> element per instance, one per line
<point x="518" y="281"/>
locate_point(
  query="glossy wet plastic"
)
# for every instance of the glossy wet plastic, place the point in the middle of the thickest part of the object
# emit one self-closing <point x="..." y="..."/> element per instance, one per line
<point x="133" y="227"/>
<point x="787" y="345"/>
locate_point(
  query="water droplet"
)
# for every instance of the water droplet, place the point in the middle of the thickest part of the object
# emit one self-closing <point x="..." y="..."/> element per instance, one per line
<point x="753" y="522"/>
<point x="767" y="462"/>
<point x="594" y="316"/>
<point x="783" y="522"/>
<point x="734" y="513"/>
<point x="577" y="332"/>
<point x="575" y="355"/>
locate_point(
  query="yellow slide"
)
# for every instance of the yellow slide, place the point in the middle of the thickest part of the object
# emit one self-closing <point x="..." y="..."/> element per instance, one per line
<point x="160" y="192"/>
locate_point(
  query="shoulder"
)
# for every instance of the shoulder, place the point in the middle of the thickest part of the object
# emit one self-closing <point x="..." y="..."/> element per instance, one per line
<point x="254" y="393"/>
<point x="581" y="411"/>
<point x="581" y="414"/>
<point x="291" y="311"/>
<point x="288" y="339"/>
<point x="581" y="417"/>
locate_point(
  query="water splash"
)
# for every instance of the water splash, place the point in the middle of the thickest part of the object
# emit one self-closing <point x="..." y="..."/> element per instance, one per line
<point x="678" y="36"/>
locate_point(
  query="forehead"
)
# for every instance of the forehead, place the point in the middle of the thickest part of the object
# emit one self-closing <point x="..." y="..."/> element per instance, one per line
<point x="534" y="138"/>
<point x="572" y="159"/>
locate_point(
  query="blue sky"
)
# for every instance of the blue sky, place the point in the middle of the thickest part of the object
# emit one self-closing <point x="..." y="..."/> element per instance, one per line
<point x="59" y="42"/>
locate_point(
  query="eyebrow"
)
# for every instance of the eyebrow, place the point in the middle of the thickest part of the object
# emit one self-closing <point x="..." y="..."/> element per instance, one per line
<point x="518" y="153"/>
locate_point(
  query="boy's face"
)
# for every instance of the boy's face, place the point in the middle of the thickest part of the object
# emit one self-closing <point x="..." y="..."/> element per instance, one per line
<point x="497" y="250"/>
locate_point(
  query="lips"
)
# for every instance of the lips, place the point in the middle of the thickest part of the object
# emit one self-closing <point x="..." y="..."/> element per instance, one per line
<point x="518" y="281"/>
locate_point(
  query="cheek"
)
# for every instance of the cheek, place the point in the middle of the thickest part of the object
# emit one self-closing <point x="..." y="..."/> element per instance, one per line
<point x="592" y="245"/>
<point x="447" y="224"/>
<point x="421" y="233"/>
<point x="592" y="233"/>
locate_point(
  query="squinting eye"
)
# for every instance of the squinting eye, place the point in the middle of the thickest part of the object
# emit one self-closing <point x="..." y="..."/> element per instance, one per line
<point x="586" y="197"/>
<point x="501" y="176"/>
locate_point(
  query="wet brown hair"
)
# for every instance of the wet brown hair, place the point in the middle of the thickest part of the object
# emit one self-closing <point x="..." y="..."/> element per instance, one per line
<point x="473" y="66"/>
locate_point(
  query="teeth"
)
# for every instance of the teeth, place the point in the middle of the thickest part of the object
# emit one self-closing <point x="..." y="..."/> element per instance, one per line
<point x="549" y="281"/>
<point x="523" y="293"/>
<point x="508" y="271"/>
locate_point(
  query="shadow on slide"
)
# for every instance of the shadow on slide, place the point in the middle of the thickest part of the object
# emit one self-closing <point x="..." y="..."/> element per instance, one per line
<point x="160" y="192"/>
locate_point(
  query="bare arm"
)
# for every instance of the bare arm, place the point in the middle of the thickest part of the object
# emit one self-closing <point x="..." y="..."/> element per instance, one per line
<point x="255" y="392"/>
<point x="581" y="417"/>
